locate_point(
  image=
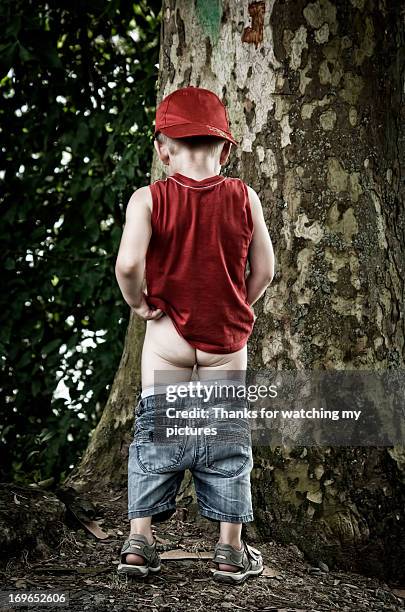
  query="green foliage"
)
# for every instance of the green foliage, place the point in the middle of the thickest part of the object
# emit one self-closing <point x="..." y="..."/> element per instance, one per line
<point x="78" y="88"/>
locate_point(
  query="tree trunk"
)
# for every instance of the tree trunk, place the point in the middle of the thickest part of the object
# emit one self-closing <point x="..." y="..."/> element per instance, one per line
<point x="314" y="97"/>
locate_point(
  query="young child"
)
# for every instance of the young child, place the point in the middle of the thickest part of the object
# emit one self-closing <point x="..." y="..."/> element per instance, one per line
<point x="191" y="235"/>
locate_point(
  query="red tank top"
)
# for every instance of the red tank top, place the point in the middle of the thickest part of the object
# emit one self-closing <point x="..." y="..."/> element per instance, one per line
<point x="196" y="259"/>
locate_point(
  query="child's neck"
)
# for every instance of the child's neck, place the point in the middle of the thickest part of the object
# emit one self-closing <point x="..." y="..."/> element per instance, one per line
<point x="197" y="171"/>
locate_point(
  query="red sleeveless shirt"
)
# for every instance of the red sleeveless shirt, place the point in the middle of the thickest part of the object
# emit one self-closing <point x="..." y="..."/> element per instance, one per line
<point x="196" y="259"/>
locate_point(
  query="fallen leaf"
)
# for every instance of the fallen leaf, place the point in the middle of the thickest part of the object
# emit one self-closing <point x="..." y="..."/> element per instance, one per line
<point x="19" y="495"/>
<point x="94" y="529"/>
<point x="116" y="498"/>
<point x="46" y="484"/>
<point x="16" y="500"/>
<point x="269" y="572"/>
<point x="163" y="541"/>
<point x="20" y="584"/>
<point x="58" y="569"/>
<point x="171" y="537"/>
<point x="179" y="555"/>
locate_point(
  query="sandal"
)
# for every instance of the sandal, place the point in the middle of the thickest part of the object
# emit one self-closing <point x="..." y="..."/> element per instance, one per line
<point x="137" y="544"/>
<point x="249" y="561"/>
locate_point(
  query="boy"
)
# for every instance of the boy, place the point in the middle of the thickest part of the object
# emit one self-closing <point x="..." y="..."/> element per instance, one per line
<point x="192" y="234"/>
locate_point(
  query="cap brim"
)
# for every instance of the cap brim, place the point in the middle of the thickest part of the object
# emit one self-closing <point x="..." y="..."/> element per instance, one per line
<point x="195" y="129"/>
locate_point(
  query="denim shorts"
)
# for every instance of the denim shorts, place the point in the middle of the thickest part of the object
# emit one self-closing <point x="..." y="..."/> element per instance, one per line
<point x="220" y="464"/>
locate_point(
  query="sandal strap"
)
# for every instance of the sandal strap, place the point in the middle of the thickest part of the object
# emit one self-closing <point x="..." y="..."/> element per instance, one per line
<point x="253" y="552"/>
<point x="245" y="558"/>
<point x="138" y="545"/>
<point x="226" y="554"/>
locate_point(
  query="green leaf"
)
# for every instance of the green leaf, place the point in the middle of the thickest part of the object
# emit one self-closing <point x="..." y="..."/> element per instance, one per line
<point x="9" y="264"/>
<point x="35" y="387"/>
<point x="25" y="55"/>
<point x="50" y="104"/>
<point x="51" y="346"/>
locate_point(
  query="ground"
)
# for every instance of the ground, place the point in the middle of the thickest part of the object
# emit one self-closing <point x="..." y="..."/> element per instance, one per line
<point x="86" y="567"/>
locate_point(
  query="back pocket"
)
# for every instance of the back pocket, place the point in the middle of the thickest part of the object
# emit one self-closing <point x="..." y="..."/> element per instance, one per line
<point x="230" y="450"/>
<point x="158" y="456"/>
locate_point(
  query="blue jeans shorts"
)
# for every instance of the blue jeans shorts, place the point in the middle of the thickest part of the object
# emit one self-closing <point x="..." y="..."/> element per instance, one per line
<point x="220" y="463"/>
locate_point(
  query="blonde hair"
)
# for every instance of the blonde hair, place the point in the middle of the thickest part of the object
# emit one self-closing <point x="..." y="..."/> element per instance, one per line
<point x="212" y="144"/>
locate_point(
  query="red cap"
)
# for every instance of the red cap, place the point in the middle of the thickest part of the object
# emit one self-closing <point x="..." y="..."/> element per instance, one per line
<point x="193" y="111"/>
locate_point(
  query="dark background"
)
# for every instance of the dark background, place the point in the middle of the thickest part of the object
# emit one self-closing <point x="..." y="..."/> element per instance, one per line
<point x="78" y="90"/>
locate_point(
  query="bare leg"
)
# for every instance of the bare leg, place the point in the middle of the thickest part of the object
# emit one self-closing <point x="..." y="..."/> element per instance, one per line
<point x="230" y="534"/>
<point x="140" y="526"/>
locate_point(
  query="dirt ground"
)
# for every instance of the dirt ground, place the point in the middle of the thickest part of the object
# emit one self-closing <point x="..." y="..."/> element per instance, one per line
<point x="86" y="568"/>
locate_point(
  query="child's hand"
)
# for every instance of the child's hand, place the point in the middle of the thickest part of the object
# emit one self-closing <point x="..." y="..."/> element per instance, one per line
<point x="145" y="312"/>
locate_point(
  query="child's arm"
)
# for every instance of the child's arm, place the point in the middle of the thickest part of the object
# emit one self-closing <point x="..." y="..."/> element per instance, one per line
<point x="130" y="264"/>
<point x="261" y="254"/>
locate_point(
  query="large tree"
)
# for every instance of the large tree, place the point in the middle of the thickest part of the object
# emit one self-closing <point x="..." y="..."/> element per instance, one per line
<point x="314" y="96"/>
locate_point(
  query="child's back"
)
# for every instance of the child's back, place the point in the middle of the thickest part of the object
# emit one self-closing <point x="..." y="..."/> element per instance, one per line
<point x="196" y="260"/>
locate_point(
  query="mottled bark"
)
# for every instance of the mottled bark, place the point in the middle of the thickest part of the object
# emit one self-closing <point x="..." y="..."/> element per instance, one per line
<point x="314" y="96"/>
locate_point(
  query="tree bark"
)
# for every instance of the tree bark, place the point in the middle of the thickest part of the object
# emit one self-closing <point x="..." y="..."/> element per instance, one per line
<point x="314" y="96"/>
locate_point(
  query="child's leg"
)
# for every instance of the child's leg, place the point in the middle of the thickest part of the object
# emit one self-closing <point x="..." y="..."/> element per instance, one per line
<point x="208" y="365"/>
<point x="163" y="349"/>
<point x="230" y="534"/>
<point x="140" y="526"/>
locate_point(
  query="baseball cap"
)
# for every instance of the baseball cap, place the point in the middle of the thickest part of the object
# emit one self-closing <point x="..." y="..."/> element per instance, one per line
<point x="193" y="111"/>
